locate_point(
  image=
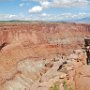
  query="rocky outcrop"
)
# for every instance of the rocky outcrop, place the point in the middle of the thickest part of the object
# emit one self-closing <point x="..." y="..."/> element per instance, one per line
<point x="33" y="50"/>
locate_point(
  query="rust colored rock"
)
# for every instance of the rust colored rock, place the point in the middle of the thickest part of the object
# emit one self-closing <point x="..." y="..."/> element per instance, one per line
<point x="36" y="41"/>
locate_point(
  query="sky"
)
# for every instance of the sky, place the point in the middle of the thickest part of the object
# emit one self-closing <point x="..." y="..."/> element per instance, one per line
<point x="47" y="10"/>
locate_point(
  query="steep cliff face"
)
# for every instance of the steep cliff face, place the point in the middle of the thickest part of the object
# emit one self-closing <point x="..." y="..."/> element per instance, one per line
<point x="64" y="36"/>
<point x="37" y="41"/>
<point x="42" y="33"/>
<point x="45" y="33"/>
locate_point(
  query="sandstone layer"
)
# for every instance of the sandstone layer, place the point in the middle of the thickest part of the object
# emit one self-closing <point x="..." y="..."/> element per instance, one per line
<point x="26" y="48"/>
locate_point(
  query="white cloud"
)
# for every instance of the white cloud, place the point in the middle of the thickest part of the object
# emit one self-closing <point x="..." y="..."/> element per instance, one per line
<point x="7" y="16"/>
<point x="21" y="4"/>
<point x="69" y="3"/>
<point x="63" y="3"/>
<point x="60" y="17"/>
<point x="44" y="4"/>
<point x="35" y="9"/>
<point x="46" y="17"/>
<point x="11" y="17"/>
<point x="44" y="14"/>
<point x="36" y="0"/>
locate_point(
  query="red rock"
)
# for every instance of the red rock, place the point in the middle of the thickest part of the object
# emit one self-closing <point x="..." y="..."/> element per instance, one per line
<point x="36" y="40"/>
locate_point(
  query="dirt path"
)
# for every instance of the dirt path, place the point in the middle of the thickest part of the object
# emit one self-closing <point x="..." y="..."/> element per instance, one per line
<point x="83" y="78"/>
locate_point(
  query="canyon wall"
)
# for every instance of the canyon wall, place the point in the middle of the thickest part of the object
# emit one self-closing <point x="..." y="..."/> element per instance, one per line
<point x="63" y="34"/>
<point x="23" y="43"/>
<point x="38" y="33"/>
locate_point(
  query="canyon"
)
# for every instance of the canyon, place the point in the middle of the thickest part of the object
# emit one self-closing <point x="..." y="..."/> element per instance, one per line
<point x="37" y="55"/>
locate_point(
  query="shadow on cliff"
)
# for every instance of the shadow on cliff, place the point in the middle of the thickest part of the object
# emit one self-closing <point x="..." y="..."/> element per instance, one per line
<point x="3" y="45"/>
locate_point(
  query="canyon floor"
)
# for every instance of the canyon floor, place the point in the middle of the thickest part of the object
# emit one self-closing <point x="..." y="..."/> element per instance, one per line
<point x="43" y="56"/>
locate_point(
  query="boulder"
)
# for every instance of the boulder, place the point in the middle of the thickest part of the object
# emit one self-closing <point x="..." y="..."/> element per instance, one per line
<point x="73" y="57"/>
<point x="52" y="72"/>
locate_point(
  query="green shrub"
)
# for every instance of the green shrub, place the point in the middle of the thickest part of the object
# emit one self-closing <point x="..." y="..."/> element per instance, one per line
<point x="71" y="88"/>
<point x="55" y="87"/>
<point x="65" y="85"/>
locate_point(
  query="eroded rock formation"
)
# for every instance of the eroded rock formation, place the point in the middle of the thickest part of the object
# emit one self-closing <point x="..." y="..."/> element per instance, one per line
<point x="32" y="49"/>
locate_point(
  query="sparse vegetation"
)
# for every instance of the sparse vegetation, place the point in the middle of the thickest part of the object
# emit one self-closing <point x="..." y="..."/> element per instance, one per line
<point x="71" y="88"/>
<point x="66" y="87"/>
<point x="54" y="87"/>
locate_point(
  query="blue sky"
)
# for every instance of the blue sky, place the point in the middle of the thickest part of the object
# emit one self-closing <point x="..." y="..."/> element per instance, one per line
<point x="44" y="9"/>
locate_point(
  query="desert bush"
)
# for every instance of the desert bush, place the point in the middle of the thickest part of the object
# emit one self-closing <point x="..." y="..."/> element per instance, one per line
<point x="66" y="87"/>
<point x="54" y="87"/>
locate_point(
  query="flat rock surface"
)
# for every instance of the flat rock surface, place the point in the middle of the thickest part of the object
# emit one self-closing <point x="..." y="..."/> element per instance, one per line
<point x="83" y="78"/>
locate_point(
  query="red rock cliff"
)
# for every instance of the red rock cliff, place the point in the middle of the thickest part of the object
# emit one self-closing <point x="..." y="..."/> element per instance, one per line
<point x="63" y="33"/>
<point x="36" y="40"/>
